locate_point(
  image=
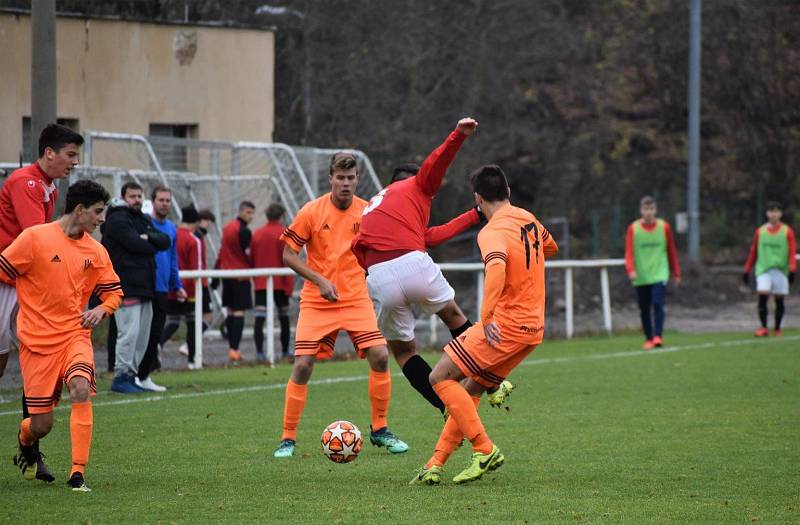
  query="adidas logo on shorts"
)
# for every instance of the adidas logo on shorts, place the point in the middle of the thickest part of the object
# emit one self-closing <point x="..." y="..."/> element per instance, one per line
<point x="56" y="258"/>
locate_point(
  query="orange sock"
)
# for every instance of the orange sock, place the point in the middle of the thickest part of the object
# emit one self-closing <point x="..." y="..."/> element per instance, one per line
<point x="26" y="435"/>
<point x="293" y="408"/>
<point x="81" y="423"/>
<point x="380" y="393"/>
<point x="462" y="409"/>
<point x="449" y="440"/>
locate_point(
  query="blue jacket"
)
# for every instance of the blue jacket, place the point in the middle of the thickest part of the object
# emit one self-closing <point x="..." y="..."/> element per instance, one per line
<point x="167" y="260"/>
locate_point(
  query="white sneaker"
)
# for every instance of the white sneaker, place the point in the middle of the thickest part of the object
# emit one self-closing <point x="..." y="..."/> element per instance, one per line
<point x="191" y="366"/>
<point x="148" y="384"/>
<point x="183" y="349"/>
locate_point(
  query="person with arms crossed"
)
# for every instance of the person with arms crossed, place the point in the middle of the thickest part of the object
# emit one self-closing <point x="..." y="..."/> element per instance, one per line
<point x="650" y="256"/>
<point x="234" y="254"/>
<point x="132" y="242"/>
<point x="514" y="246"/>
<point x="334" y="298"/>
<point x="56" y="268"/>
<point x="773" y="255"/>
<point x="391" y="247"/>
<point x="267" y="252"/>
<point x="28" y="198"/>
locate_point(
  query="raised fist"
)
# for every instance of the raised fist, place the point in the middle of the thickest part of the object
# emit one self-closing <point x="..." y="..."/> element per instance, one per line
<point x="467" y="126"/>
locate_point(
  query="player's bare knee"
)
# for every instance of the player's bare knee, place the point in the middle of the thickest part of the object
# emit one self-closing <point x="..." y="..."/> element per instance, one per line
<point x="79" y="390"/>
<point x="451" y="315"/>
<point x="378" y="357"/>
<point x="41" y="424"/>
<point x="302" y="369"/>
<point x="402" y="350"/>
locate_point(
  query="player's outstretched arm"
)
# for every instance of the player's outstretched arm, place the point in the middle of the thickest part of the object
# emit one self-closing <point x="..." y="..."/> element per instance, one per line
<point x="430" y="175"/>
<point x="326" y="288"/>
<point x="436" y="235"/>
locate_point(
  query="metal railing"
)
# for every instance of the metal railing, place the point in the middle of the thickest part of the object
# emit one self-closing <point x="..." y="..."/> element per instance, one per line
<point x="567" y="265"/>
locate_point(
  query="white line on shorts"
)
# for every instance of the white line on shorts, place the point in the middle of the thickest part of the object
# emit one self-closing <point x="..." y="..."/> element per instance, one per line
<point x="350" y="379"/>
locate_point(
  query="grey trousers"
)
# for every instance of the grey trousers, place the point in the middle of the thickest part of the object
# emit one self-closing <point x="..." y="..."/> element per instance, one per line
<point x="133" y="333"/>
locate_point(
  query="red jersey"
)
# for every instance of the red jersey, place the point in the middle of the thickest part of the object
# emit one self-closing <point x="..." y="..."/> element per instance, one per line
<point x="28" y="198"/>
<point x="397" y="217"/>
<point x="232" y="255"/>
<point x="266" y="250"/>
<point x="191" y="256"/>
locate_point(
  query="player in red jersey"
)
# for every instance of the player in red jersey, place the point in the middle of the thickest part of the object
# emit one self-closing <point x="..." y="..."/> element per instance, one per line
<point x="266" y="249"/>
<point x="27" y="199"/>
<point x="391" y="247"/>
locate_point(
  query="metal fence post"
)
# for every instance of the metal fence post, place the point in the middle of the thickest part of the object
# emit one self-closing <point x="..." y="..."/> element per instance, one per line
<point x="606" y="295"/>
<point x="570" y="327"/>
<point x="198" y="322"/>
<point x="432" y="328"/>
<point x="479" y="288"/>
<point x="270" y="322"/>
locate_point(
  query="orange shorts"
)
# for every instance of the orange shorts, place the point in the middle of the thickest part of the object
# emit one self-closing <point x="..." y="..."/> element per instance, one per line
<point x="485" y="364"/>
<point x="317" y="328"/>
<point x="44" y="374"/>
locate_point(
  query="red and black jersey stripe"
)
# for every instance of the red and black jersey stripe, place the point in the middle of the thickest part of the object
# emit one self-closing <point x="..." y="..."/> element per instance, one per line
<point x="472" y="365"/>
<point x="491" y="256"/>
<point x="8" y="268"/>
<point x="106" y="287"/>
<point x="364" y="340"/>
<point x="300" y="241"/>
<point x="87" y="369"/>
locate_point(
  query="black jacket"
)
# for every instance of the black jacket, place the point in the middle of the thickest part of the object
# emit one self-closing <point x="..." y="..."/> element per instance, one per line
<point x="133" y="257"/>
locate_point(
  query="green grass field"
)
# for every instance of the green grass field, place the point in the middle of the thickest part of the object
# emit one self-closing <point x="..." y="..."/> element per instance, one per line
<point x="705" y="430"/>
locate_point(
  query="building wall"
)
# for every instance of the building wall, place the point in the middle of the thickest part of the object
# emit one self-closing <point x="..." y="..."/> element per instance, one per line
<point x="122" y="76"/>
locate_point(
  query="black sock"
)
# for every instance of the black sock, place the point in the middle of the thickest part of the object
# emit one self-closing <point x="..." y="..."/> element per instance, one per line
<point x="258" y="333"/>
<point x="455" y="332"/>
<point x="284" y="319"/>
<point x="762" y="309"/>
<point x="235" y="329"/>
<point x="779" y="309"/>
<point x="417" y="371"/>
<point x="26" y="415"/>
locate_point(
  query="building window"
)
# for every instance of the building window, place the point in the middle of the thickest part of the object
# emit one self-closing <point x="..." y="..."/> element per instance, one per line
<point x="27" y="154"/>
<point x="169" y="142"/>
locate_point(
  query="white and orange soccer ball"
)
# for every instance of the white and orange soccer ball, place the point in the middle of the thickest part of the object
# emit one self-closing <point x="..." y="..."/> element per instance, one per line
<point x="341" y="441"/>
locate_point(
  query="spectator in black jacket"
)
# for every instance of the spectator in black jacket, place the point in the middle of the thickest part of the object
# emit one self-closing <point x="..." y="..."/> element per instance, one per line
<point x="132" y="241"/>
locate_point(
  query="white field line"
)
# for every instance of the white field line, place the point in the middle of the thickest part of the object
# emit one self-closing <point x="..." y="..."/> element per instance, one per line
<point x="350" y="379"/>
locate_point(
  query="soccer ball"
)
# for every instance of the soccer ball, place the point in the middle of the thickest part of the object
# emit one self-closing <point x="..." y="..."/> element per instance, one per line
<point x="341" y="441"/>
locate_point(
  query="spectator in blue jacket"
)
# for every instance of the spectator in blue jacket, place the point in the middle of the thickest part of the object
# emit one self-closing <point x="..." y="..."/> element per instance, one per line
<point x="167" y="280"/>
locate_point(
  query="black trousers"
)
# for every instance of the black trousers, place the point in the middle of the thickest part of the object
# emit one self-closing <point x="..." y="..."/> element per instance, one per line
<point x="150" y="362"/>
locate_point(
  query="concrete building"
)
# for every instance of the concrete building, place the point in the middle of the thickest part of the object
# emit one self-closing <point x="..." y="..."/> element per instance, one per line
<point x="200" y="81"/>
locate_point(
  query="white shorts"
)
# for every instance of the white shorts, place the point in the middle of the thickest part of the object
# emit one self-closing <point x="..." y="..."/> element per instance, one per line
<point x="395" y="286"/>
<point x="773" y="282"/>
<point x="8" y="315"/>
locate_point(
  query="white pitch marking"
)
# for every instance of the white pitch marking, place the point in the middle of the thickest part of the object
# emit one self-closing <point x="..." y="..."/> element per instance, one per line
<point x="350" y="379"/>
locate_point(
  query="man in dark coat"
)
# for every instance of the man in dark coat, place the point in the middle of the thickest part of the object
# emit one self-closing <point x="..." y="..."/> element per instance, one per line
<point x="132" y="242"/>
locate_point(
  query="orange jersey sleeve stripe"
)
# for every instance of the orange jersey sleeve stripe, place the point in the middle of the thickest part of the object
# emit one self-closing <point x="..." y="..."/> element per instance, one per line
<point x="8" y="268"/>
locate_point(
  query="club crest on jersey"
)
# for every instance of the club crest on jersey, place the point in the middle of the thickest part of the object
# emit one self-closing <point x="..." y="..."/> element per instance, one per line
<point x="55" y="258"/>
<point x="356" y="227"/>
<point x="326" y="227"/>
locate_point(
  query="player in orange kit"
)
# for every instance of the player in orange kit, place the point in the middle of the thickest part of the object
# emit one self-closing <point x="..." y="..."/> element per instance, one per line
<point x="56" y="267"/>
<point x="334" y="298"/>
<point x="514" y="246"/>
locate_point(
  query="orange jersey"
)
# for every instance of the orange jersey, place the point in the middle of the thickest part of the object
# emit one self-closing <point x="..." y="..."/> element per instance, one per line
<point x="514" y="245"/>
<point x="327" y="232"/>
<point x="55" y="276"/>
